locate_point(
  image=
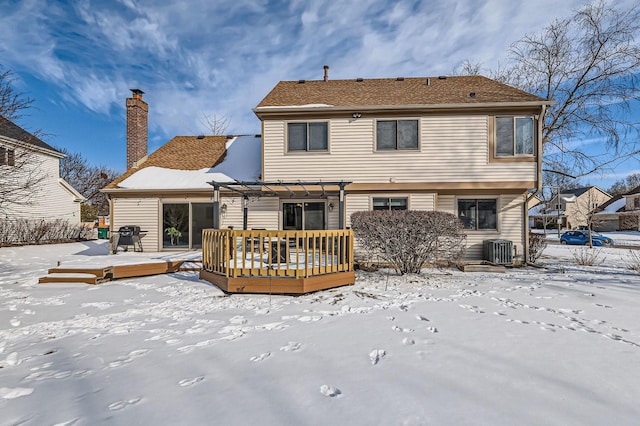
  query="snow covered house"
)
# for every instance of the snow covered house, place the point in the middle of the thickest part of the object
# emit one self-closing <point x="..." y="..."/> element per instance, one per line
<point x="571" y="208"/>
<point x="30" y="181"/>
<point x="465" y="145"/>
<point x="620" y="213"/>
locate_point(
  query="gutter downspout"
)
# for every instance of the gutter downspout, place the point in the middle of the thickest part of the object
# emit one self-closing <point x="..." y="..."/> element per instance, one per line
<point x="538" y="185"/>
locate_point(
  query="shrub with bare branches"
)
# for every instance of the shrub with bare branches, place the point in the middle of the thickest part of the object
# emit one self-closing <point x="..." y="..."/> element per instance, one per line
<point x="633" y="260"/>
<point x="409" y="239"/>
<point x="537" y="244"/>
<point x="587" y="256"/>
<point x="25" y="231"/>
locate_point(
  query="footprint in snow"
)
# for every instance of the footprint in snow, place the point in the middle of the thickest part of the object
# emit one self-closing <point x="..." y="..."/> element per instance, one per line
<point x="260" y="357"/>
<point x="407" y="341"/>
<point x="12" y="393"/>
<point x="310" y="318"/>
<point x="403" y="330"/>
<point x="330" y="391"/>
<point x="15" y="322"/>
<point x="291" y="347"/>
<point x="421" y="318"/>
<point x="12" y="359"/>
<point x="432" y="329"/>
<point x="189" y="382"/>
<point x="119" y="405"/>
<point x="376" y="355"/>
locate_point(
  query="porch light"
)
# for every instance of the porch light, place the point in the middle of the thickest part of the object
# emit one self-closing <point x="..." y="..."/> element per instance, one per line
<point x="223" y="209"/>
<point x="331" y="206"/>
<point x="356" y="115"/>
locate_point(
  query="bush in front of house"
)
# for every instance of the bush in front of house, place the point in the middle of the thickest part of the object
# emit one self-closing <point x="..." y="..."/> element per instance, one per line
<point x="30" y="231"/>
<point x="537" y="244"/>
<point x="407" y="240"/>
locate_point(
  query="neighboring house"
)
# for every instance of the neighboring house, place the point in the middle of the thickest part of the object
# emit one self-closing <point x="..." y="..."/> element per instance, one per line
<point x="572" y="208"/>
<point x="621" y="213"/>
<point x="26" y="158"/>
<point x="465" y="145"/>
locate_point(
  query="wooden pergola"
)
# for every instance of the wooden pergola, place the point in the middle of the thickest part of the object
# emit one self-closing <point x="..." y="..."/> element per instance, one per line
<point x="281" y="189"/>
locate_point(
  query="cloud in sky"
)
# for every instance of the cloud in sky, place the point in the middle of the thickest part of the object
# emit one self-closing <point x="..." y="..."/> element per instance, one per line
<point x="224" y="56"/>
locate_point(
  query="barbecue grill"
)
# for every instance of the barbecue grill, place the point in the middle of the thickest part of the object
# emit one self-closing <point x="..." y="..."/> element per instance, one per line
<point x="127" y="236"/>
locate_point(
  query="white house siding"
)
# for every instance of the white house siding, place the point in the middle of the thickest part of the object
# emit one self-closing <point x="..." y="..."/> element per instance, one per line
<point x="51" y="200"/>
<point x="444" y="140"/>
<point x="144" y="212"/>
<point x="510" y="223"/>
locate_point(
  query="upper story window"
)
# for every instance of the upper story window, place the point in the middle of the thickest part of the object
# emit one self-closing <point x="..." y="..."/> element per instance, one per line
<point x="478" y="214"/>
<point x="396" y="134"/>
<point x="390" y="203"/>
<point x="514" y="136"/>
<point x="636" y="203"/>
<point x="7" y="157"/>
<point x="312" y="136"/>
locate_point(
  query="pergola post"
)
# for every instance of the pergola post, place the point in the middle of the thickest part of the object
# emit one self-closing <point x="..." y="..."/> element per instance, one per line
<point x="245" y="211"/>
<point x="216" y="206"/>
<point x="341" y="207"/>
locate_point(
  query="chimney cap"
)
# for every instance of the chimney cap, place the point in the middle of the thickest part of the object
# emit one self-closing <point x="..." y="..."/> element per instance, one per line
<point x="137" y="91"/>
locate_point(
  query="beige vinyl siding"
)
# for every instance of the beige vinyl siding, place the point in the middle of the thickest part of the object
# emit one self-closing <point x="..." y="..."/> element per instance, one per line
<point x="50" y="199"/>
<point x="356" y="203"/>
<point x="444" y="141"/>
<point x="510" y="223"/>
<point x="422" y="201"/>
<point x="144" y="212"/>
<point x="262" y="213"/>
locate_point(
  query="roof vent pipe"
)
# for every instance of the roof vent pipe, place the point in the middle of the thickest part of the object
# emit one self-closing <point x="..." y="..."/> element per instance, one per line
<point x="428" y="82"/>
<point x="326" y="73"/>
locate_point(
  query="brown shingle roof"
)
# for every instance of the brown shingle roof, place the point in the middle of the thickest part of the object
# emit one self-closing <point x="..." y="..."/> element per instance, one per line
<point x="394" y="92"/>
<point x="11" y="130"/>
<point x="182" y="153"/>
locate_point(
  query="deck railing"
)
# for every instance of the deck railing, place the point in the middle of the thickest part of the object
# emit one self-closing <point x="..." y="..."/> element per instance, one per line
<point x="261" y="253"/>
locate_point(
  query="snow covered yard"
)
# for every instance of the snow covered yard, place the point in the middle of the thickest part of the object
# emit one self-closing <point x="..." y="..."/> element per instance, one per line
<point x="558" y="345"/>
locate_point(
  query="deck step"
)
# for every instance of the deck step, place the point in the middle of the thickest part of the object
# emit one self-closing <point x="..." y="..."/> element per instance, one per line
<point x="105" y="273"/>
<point x="70" y="277"/>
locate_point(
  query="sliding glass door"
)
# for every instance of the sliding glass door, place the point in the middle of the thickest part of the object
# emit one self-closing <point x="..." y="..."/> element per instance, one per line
<point x="303" y="215"/>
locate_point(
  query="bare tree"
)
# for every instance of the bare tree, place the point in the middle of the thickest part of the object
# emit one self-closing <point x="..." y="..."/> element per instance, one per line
<point x="625" y="185"/>
<point x="216" y="125"/>
<point x="589" y="64"/>
<point x="87" y="179"/>
<point x="468" y="68"/>
<point x="584" y="211"/>
<point x="20" y="173"/>
<point x="12" y="102"/>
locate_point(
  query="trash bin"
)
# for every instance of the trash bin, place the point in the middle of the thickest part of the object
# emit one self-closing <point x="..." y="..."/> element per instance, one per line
<point x="103" y="233"/>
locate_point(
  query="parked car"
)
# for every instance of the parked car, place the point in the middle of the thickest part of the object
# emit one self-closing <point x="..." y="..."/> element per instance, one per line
<point x="581" y="237"/>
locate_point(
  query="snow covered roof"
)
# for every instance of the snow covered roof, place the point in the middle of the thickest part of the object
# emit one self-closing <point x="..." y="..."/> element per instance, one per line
<point x="238" y="158"/>
<point x="614" y="206"/>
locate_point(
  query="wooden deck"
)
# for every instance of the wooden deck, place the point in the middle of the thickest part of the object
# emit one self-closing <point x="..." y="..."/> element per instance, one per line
<point x="282" y="262"/>
<point x="98" y="275"/>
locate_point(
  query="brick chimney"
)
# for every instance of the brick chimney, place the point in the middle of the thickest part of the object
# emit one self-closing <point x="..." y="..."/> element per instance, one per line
<point x="137" y="128"/>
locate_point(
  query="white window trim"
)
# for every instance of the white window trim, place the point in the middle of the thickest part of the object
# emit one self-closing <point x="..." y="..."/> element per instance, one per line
<point x="375" y="134"/>
<point x="306" y="152"/>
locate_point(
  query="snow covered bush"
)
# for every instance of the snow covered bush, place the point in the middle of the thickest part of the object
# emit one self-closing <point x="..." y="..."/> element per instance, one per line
<point x="409" y="239"/>
<point x="25" y="231"/>
<point x="587" y="256"/>
<point x="537" y="244"/>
